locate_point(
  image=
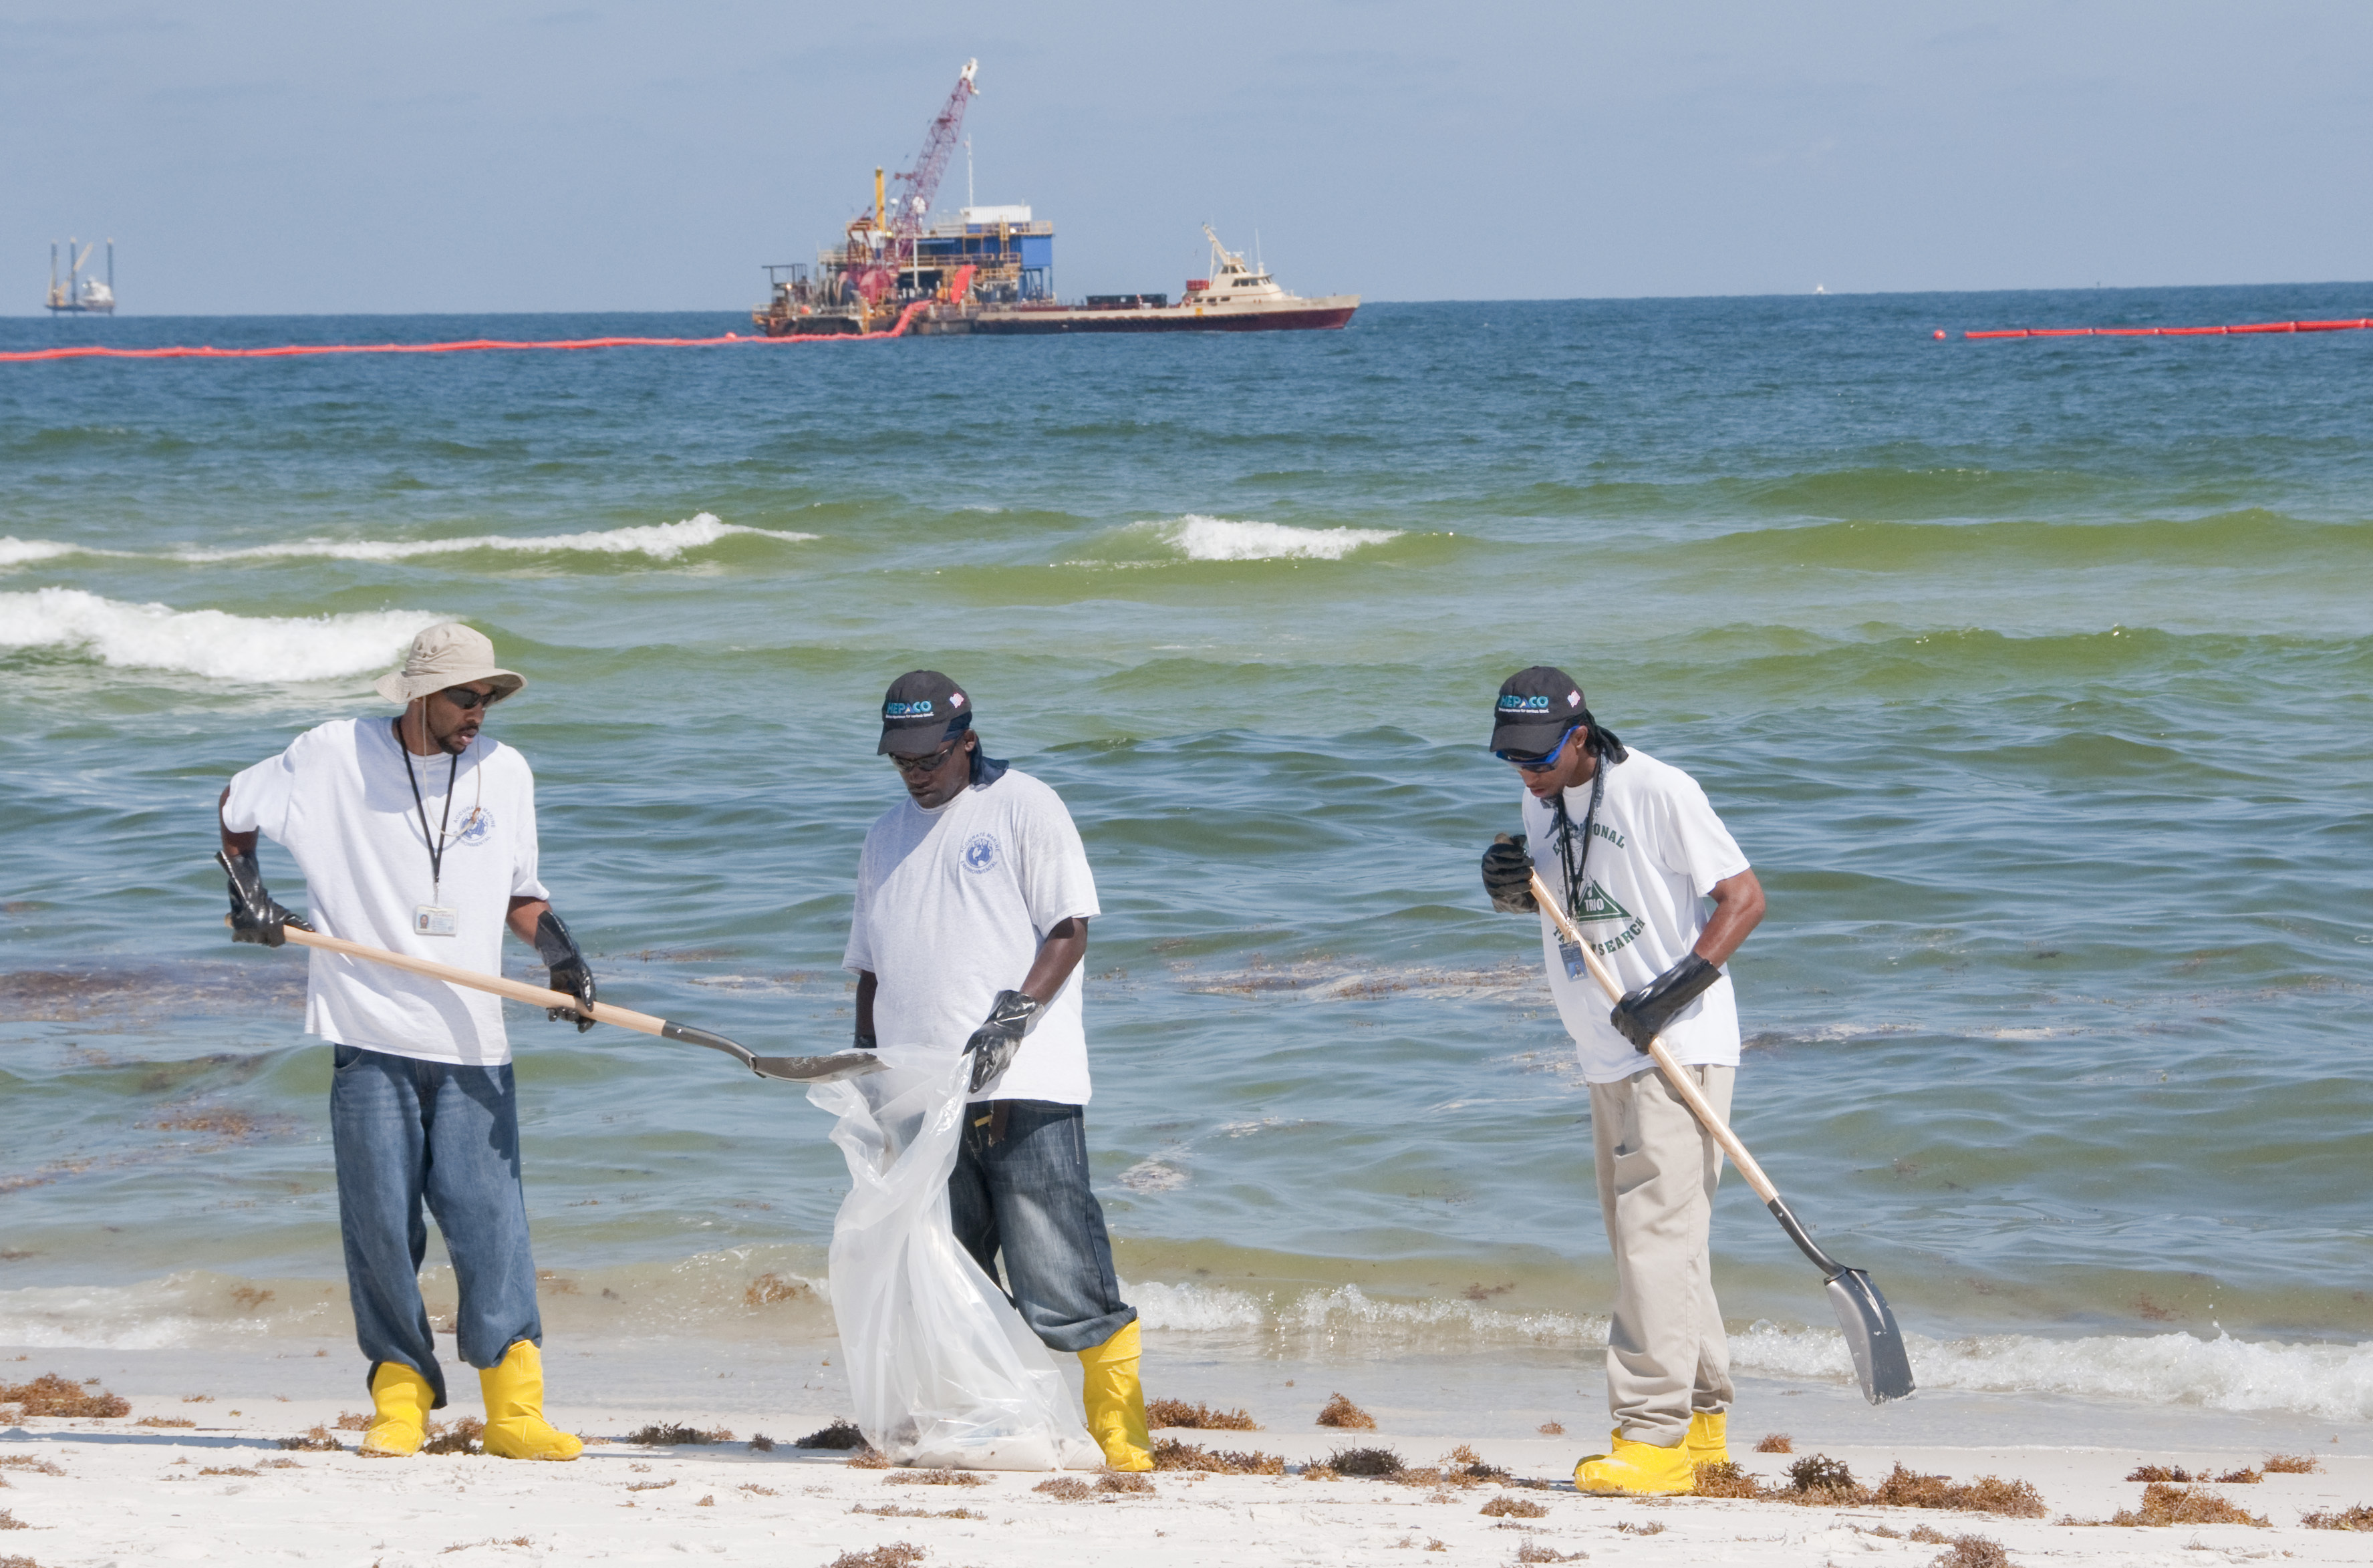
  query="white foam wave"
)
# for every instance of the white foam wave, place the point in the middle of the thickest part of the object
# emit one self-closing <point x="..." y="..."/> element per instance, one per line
<point x="15" y="552"/>
<point x="1199" y="538"/>
<point x="659" y="541"/>
<point x="210" y="643"/>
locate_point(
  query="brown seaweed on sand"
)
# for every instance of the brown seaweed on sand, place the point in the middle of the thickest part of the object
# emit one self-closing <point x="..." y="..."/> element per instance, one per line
<point x="1506" y="1507"/>
<point x="2164" y="1505"/>
<point x="936" y="1478"/>
<point x="840" y="1433"/>
<point x="2357" y="1518"/>
<point x="52" y="1394"/>
<point x="1377" y="1464"/>
<point x="898" y="1554"/>
<point x="2292" y="1464"/>
<point x="1170" y="1454"/>
<point x="657" y="1437"/>
<point x="1776" y="1442"/>
<point x="1342" y="1413"/>
<point x="1198" y="1417"/>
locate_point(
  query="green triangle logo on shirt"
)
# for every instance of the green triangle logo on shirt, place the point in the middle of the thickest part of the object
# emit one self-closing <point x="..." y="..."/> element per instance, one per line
<point x="1597" y="905"/>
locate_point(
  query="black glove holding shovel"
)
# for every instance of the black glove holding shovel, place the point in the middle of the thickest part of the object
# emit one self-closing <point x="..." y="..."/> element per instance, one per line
<point x="255" y="915"/>
<point x="570" y="974"/>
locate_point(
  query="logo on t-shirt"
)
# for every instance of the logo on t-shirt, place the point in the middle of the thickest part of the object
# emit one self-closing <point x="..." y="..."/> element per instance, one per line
<point x="979" y="853"/>
<point x="476" y="827"/>
<point x="1598" y="905"/>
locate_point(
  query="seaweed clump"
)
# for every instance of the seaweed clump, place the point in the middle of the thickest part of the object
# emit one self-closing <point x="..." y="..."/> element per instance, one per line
<point x="1776" y="1442"/>
<point x="461" y="1437"/>
<point x="2357" y="1518"/>
<point x="1986" y="1495"/>
<point x="2292" y="1464"/>
<point x="2164" y="1505"/>
<point x="897" y="1554"/>
<point x="317" y="1441"/>
<point x="1342" y="1413"/>
<point x="1817" y="1478"/>
<point x="1170" y="1454"/>
<point x="1198" y="1417"/>
<point x="1506" y="1507"/>
<point x="657" y="1437"/>
<point x="1968" y="1551"/>
<point x="840" y="1433"/>
<point x="52" y="1394"/>
<point x="1376" y="1464"/>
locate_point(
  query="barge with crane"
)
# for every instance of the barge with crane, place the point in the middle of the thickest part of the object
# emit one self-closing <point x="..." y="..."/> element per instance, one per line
<point x="989" y="271"/>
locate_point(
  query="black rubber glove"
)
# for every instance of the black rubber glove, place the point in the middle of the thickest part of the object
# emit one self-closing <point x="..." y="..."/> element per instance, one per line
<point x="569" y="974"/>
<point x="1508" y="875"/>
<point x="993" y="1044"/>
<point x="255" y="914"/>
<point x="1642" y="1015"/>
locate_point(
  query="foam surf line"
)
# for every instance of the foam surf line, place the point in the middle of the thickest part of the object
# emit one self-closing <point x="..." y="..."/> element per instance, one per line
<point x="660" y="542"/>
<point x="1201" y="538"/>
<point x="255" y="650"/>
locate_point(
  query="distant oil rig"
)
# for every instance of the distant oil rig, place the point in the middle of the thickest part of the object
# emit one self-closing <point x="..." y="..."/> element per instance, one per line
<point x="76" y="294"/>
<point x="990" y="270"/>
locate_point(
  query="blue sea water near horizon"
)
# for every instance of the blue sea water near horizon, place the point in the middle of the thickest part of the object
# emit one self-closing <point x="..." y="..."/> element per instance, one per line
<point x="2032" y="676"/>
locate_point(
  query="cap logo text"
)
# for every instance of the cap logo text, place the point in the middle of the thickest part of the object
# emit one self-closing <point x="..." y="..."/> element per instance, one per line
<point x="908" y="710"/>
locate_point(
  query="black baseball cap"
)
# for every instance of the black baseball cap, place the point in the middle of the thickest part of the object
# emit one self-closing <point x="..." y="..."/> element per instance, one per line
<point x="921" y="712"/>
<point x="1535" y="709"/>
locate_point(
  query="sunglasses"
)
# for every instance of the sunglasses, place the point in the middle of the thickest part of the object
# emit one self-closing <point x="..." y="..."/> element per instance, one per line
<point x="464" y="699"/>
<point x="930" y="764"/>
<point x="1541" y="764"/>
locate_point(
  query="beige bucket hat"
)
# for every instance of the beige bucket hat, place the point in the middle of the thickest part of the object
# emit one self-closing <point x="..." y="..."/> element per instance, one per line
<point x="449" y="654"/>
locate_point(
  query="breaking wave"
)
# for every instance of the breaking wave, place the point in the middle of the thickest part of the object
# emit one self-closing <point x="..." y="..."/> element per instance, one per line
<point x="2327" y="1381"/>
<point x="1199" y="538"/>
<point x="210" y="643"/>
<point x="659" y="541"/>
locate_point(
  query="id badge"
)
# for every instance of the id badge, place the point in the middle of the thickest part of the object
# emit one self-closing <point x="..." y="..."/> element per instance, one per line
<point x="435" y="920"/>
<point x="1575" y="967"/>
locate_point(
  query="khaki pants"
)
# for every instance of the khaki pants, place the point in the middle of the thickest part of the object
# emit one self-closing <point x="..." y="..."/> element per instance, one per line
<point x="1666" y="1355"/>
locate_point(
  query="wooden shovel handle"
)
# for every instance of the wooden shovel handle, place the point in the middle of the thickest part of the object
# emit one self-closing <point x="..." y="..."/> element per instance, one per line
<point x="1675" y="1074"/>
<point x="517" y="990"/>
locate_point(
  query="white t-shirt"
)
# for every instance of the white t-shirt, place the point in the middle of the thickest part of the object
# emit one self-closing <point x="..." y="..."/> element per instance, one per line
<point x="1656" y="850"/>
<point x="338" y="800"/>
<point x="951" y="904"/>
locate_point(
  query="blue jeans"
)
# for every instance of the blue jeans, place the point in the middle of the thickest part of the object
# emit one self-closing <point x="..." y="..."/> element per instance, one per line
<point x="1021" y="1188"/>
<point x="405" y="1131"/>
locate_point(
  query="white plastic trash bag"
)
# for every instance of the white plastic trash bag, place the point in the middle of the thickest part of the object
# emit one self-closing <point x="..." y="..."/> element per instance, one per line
<point x="943" y="1371"/>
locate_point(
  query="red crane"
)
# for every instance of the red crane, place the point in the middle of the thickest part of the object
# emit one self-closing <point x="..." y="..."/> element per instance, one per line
<point x="902" y="225"/>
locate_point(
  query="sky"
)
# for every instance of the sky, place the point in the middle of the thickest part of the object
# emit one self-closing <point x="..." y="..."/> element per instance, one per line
<point x="276" y="158"/>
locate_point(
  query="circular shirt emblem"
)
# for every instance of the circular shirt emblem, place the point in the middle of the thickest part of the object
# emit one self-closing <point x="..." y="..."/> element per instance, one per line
<point x="980" y="852"/>
<point x="474" y="830"/>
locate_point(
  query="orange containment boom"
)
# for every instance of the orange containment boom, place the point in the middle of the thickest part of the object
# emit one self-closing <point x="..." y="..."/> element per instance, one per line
<point x="2356" y="326"/>
<point x="473" y="345"/>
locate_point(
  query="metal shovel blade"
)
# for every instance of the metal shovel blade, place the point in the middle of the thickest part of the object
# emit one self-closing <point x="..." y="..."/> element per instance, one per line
<point x="816" y="1069"/>
<point x="1871" y="1335"/>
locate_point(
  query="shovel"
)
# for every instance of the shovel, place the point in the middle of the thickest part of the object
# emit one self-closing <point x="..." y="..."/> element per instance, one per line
<point x="793" y="1069"/>
<point x="1863" y="1315"/>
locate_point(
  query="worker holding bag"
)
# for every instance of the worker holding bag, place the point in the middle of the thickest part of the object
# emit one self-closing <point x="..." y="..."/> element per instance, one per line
<point x="973" y="901"/>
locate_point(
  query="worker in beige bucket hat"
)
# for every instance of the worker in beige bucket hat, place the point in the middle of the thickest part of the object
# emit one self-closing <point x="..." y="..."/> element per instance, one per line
<point x="446" y="655"/>
<point x="437" y="862"/>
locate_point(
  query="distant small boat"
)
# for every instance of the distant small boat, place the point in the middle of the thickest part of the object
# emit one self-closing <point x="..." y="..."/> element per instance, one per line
<point x="78" y="295"/>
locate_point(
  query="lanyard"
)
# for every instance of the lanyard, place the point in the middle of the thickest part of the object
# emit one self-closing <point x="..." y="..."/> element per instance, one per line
<point x="1565" y="836"/>
<point x="437" y="850"/>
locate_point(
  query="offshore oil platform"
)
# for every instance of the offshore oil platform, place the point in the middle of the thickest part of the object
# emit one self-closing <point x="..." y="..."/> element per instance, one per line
<point x="76" y="294"/>
<point x="991" y="268"/>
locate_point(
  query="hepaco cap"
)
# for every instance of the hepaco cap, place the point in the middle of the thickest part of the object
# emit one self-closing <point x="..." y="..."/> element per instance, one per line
<point x="449" y="654"/>
<point x="1535" y="709"/>
<point x="919" y="712"/>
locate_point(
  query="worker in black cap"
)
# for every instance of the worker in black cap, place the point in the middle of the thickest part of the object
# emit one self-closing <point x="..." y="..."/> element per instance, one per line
<point x="1659" y="888"/>
<point x="972" y="901"/>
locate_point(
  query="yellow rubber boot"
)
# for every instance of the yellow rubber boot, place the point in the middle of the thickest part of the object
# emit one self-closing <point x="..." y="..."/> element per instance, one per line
<point x="400" y="1399"/>
<point x="515" y="1425"/>
<point x="1706" y="1442"/>
<point x="1641" y="1470"/>
<point x="1116" y="1401"/>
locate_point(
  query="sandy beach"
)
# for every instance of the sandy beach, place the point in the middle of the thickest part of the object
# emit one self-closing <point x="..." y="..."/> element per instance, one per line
<point x="224" y="1488"/>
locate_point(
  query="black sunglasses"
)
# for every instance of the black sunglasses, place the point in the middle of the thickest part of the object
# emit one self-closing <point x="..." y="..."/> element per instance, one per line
<point x="929" y="764"/>
<point x="464" y="699"/>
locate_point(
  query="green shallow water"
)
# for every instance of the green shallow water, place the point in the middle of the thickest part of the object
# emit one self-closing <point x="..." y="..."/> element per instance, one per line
<point x="2032" y="676"/>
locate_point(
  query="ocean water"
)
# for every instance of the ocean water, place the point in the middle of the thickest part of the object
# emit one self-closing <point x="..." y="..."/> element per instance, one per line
<point x="2032" y="676"/>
